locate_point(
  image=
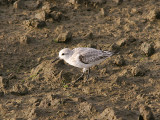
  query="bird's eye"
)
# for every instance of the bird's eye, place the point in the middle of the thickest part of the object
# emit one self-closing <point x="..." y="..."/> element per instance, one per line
<point x="62" y="53"/>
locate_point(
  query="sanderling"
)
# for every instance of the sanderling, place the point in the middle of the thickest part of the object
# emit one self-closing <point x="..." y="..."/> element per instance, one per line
<point x="83" y="58"/>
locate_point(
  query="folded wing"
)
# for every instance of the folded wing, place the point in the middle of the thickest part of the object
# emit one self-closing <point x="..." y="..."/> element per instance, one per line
<point x="93" y="56"/>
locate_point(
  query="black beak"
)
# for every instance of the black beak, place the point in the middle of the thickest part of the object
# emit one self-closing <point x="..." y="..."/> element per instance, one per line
<point x="57" y="58"/>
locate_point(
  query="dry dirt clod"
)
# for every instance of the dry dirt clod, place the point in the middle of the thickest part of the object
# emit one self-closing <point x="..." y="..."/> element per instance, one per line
<point x="64" y="37"/>
<point x="25" y="39"/>
<point x="147" y="48"/>
<point x="48" y="8"/>
<point x="34" y="23"/>
<point x="41" y="16"/>
<point x="86" y="108"/>
<point x="119" y="61"/>
<point x="116" y="114"/>
<point x="121" y="42"/>
<point x="19" y="90"/>
<point x="56" y="16"/>
<point x="59" y="29"/>
<point x="145" y="113"/>
<point x="38" y="24"/>
<point x="156" y="57"/>
<point x="138" y="71"/>
<point x="126" y="41"/>
<point x="152" y="15"/>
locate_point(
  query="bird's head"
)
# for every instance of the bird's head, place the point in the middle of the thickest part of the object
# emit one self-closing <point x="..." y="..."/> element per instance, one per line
<point x="64" y="54"/>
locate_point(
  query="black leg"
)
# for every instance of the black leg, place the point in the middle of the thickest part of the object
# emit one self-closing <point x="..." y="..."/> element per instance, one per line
<point x="88" y="74"/>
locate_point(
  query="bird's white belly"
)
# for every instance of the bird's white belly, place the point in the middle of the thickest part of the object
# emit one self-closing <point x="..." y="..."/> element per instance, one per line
<point x="79" y="64"/>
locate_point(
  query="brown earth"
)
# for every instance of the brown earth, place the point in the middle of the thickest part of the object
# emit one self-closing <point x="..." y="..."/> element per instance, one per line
<point x="123" y="87"/>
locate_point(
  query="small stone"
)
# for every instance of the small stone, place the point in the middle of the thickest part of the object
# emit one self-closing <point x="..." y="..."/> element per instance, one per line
<point x="145" y="113"/>
<point x="41" y="16"/>
<point x="64" y="37"/>
<point x="147" y="48"/>
<point x="119" y="61"/>
<point x="138" y="71"/>
<point x="25" y="39"/>
<point x="19" y="90"/>
<point x="4" y="83"/>
<point x="19" y="4"/>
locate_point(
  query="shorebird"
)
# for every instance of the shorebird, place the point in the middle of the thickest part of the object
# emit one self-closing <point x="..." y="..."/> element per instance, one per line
<point x="83" y="58"/>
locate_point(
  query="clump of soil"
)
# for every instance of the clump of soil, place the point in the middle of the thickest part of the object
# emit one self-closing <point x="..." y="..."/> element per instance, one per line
<point x="124" y="86"/>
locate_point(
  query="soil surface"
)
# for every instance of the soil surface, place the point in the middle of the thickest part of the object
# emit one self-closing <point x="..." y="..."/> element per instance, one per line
<point x="125" y="86"/>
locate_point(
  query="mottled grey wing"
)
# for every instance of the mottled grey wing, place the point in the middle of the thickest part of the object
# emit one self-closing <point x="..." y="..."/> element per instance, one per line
<point x="93" y="56"/>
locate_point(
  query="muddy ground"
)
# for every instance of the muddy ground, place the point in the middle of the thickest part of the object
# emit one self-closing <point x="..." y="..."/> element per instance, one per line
<point x="125" y="86"/>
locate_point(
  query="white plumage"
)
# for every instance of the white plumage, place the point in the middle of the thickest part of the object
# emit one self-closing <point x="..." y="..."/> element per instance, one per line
<point x="83" y="57"/>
